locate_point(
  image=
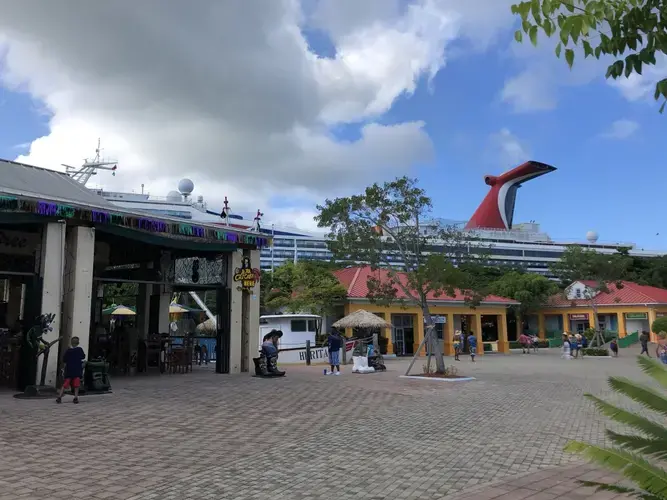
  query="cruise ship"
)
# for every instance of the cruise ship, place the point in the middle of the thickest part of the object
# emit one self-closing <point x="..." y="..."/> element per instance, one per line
<point x="491" y="225"/>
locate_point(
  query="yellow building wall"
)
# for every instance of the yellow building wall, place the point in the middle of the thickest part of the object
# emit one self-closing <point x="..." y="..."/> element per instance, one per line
<point x="619" y="310"/>
<point x="449" y="312"/>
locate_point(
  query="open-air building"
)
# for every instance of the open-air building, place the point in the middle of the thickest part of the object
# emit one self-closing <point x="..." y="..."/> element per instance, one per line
<point x="60" y="243"/>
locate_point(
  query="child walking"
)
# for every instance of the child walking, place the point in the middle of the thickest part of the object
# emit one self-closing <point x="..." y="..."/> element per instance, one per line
<point x="472" y="345"/>
<point x="73" y="370"/>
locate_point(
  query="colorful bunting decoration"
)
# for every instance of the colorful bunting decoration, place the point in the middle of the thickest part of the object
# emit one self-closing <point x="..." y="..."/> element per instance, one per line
<point x="50" y="209"/>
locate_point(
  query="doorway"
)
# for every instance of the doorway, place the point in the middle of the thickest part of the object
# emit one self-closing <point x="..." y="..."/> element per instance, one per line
<point x="404" y="334"/>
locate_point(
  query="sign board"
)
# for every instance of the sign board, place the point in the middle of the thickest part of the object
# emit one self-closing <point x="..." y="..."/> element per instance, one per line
<point x="317" y="354"/>
<point x="636" y="315"/>
<point x="579" y="317"/>
<point x="660" y="314"/>
<point x="18" y="243"/>
<point x="246" y="276"/>
<point x="438" y="320"/>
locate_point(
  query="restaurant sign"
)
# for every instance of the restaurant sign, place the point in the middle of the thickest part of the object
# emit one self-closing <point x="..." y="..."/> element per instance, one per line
<point x="660" y="315"/>
<point x="579" y="317"/>
<point x="636" y="316"/>
<point x="246" y="276"/>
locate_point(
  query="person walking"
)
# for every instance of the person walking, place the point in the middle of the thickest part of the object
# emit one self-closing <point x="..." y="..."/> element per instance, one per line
<point x="472" y="345"/>
<point x="335" y="342"/>
<point x="643" y="340"/>
<point x="525" y="343"/>
<point x="457" y="345"/>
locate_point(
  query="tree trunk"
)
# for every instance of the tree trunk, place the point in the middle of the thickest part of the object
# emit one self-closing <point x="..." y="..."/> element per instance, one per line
<point x="432" y="343"/>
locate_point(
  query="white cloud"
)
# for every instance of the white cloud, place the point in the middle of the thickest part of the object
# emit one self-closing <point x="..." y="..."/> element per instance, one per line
<point x="229" y="93"/>
<point x="507" y="149"/>
<point x="529" y="91"/>
<point x="641" y="87"/>
<point x="621" y="129"/>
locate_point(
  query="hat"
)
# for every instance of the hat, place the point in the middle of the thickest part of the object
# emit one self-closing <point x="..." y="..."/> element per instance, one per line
<point x="271" y="334"/>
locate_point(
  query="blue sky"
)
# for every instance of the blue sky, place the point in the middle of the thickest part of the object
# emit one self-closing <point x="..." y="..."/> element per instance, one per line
<point x="609" y="182"/>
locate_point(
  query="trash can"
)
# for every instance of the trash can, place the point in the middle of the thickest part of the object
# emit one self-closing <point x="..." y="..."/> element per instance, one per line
<point x="96" y="377"/>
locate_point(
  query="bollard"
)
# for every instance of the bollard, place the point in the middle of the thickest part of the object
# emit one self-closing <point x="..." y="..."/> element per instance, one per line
<point x="308" y="352"/>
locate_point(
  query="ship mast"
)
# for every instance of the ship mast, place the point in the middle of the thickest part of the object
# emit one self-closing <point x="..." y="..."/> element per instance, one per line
<point x="89" y="168"/>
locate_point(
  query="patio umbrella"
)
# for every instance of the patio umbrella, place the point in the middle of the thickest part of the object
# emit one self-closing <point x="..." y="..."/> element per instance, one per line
<point x="175" y="308"/>
<point x="115" y="310"/>
<point x="361" y="319"/>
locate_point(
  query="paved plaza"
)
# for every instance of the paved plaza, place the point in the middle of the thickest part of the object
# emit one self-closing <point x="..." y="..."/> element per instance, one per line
<point x="307" y="436"/>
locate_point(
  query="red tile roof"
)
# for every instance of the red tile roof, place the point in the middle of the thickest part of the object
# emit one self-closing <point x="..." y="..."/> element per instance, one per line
<point x="629" y="293"/>
<point x="355" y="279"/>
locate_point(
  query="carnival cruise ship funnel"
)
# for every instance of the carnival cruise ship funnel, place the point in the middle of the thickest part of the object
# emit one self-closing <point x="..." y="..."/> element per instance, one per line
<point x="497" y="209"/>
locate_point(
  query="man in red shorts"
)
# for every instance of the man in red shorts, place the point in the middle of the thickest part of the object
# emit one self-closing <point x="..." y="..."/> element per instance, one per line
<point x="73" y="370"/>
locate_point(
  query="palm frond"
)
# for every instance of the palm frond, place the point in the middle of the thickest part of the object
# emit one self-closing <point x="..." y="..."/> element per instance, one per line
<point x="656" y="448"/>
<point x="654" y="369"/>
<point x="641" y="393"/>
<point x="628" y="418"/>
<point x="613" y="488"/>
<point x="651" y="479"/>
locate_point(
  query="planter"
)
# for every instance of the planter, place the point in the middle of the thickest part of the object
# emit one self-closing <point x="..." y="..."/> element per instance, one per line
<point x="438" y="379"/>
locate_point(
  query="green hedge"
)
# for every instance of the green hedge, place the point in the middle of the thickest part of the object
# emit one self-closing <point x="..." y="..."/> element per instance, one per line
<point x="541" y="343"/>
<point x="487" y="348"/>
<point x="595" y="351"/>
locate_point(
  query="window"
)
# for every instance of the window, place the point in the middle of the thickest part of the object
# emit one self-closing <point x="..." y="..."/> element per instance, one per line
<point x="440" y="331"/>
<point x="299" y="325"/>
<point x="312" y="325"/>
<point x="577" y="293"/>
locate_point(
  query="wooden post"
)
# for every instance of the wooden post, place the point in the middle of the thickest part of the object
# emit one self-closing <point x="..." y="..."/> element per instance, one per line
<point x="344" y="350"/>
<point x="308" y="352"/>
<point x="376" y="344"/>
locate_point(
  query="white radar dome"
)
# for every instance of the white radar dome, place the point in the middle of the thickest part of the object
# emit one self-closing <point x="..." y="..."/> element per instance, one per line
<point x="186" y="186"/>
<point x="592" y="236"/>
<point x="174" y="196"/>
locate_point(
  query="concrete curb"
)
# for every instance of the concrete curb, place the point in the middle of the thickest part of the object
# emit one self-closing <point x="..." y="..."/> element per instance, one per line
<point x="436" y="379"/>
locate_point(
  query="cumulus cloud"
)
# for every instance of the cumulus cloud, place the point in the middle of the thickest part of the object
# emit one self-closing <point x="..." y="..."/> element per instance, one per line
<point x="641" y="87"/>
<point x="507" y="150"/>
<point x="621" y="129"/>
<point x="231" y="94"/>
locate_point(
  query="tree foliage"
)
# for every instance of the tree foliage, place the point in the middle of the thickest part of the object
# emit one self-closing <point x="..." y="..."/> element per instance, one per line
<point x="633" y="32"/>
<point x="636" y="456"/>
<point x="304" y="287"/>
<point x="601" y="269"/>
<point x="388" y="227"/>
<point x="121" y="294"/>
<point x="532" y="290"/>
<point x="659" y="325"/>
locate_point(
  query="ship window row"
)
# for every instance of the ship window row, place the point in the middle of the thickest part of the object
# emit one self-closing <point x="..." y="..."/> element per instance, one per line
<point x="311" y="244"/>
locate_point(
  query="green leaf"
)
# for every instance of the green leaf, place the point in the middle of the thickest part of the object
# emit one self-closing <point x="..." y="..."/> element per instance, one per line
<point x="653" y="369"/>
<point x="535" y="9"/>
<point x="533" y="35"/>
<point x="657" y="448"/>
<point x="518" y="36"/>
<point x="650" y="478"/>
<point x="559" y="48"/>
<point x="565" y="33"/>
<point x="588" y="50"/>
<point x="630" y="419"/>
<point x="647" y="396"/>
<point x="569" y="57"/>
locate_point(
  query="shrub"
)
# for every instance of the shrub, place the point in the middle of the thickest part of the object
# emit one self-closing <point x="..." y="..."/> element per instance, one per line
<point x="595" y="351"/>
<point x="543" y="344"/>
<point x="659" y="325"/>
<point x="636" y="456"/>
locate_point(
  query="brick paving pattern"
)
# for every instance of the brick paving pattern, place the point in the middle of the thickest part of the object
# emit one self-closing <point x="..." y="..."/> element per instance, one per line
<point x="307" y="436"/>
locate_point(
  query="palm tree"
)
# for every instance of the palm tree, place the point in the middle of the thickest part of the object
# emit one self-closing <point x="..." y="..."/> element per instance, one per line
<point x="635" y="456"/>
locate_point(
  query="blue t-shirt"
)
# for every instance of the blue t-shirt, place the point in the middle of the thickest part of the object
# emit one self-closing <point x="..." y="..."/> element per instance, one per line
<point x="74" y="362"/>
<point x="472" y="342"/>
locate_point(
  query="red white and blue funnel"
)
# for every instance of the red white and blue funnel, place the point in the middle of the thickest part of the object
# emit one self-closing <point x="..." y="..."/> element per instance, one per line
<point x="497" y="209"/>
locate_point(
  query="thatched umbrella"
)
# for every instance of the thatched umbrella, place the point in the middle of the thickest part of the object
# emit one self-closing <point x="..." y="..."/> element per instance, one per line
<point x="361" y="319"/>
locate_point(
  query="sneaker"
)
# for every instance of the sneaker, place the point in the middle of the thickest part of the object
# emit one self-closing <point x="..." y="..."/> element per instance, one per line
<point x="337" y="373"/>
<point x="76" y="401"/>
<point x="59" y="400"/>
